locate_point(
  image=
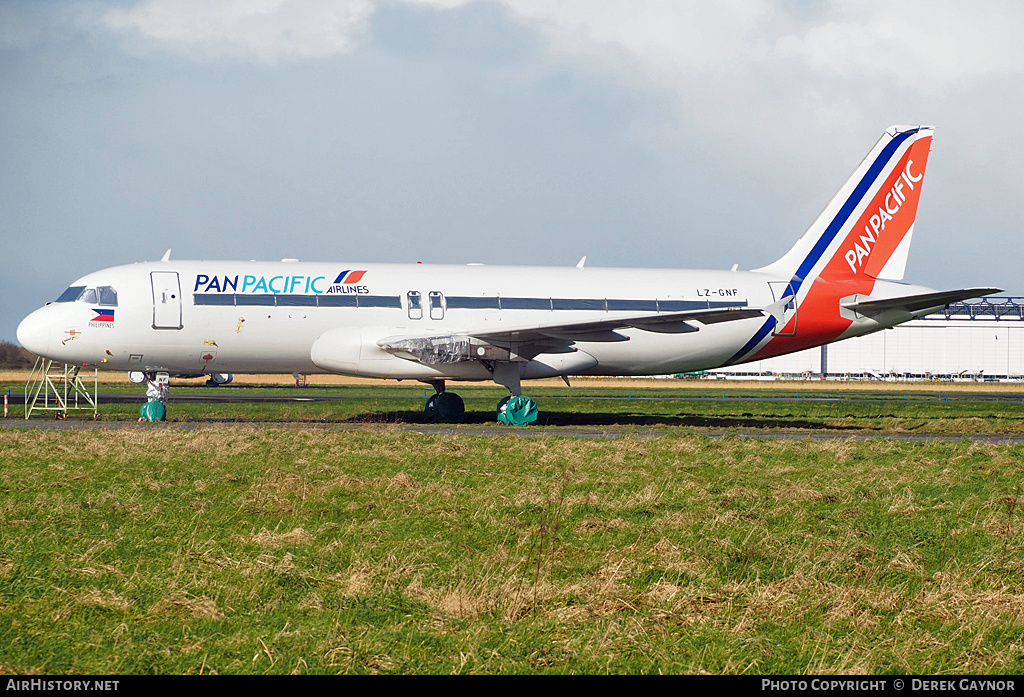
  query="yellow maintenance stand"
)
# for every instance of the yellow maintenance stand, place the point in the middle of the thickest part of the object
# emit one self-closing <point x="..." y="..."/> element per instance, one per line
<point x="60" y="389"/>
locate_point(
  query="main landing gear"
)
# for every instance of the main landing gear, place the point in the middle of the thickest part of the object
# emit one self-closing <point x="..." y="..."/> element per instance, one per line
<point x="442" y="406"/>
<point x="514" y="410"/>
<point x="517" y="410"/>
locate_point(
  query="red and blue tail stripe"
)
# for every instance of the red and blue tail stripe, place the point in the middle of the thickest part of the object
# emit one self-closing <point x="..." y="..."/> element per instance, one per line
<point x="841" y="255"/>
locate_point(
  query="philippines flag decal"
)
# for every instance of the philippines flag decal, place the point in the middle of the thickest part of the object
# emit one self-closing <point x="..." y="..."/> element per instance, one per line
<point x="103" y="316"/>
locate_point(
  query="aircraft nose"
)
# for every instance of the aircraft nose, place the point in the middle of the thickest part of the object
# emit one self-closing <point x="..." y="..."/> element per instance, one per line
<point x="34" y="334"/>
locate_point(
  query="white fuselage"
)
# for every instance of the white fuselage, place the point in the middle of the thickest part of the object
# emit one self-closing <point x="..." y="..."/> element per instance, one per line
<point x="193" y="317"/>
<point x="475" y="322"/>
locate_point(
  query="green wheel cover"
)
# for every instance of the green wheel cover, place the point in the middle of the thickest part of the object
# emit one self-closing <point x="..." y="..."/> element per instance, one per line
<point x="153" y="411"/>
<point x="517" y="411"/>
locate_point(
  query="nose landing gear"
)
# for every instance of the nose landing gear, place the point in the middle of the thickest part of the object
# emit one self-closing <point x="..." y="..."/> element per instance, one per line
<point x="158" y="387"/>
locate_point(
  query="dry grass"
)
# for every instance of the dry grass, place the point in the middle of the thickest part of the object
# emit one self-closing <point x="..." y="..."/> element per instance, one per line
<point x="244" y="550"/>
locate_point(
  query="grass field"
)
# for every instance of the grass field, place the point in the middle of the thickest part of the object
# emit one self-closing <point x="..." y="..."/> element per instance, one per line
<point x="233" y="549"/>
<point x="699" y="406"/>
<point x="242" y="548"/>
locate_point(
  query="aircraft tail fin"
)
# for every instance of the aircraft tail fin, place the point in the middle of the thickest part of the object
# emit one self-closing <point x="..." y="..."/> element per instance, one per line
<point x="865" y="230"/>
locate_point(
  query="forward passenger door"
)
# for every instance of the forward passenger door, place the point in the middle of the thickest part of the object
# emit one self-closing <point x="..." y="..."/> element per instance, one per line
<point x="166" y="300"/>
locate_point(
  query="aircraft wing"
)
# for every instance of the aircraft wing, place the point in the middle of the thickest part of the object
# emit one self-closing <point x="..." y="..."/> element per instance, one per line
<point x="916" y="303"/>
<point x="501" y="342"/>
<point x="663" y="323"/>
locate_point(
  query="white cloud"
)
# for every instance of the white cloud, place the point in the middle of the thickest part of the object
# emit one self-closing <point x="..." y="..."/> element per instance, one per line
<point x="265" y="31"/>
<point x="663" y="41"/>
<point x="918" y="39"/>
<point x="923" y="43"/>
<point x="660" y="34"/>
<point x="774" y="76"/>
<point x="440" y="4"/>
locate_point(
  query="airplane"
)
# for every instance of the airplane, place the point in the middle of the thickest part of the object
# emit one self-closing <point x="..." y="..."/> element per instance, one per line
<point x="443" y="323"/>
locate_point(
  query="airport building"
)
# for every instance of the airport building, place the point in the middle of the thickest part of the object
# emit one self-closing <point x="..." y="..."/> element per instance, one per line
<point x="974" y="340"/>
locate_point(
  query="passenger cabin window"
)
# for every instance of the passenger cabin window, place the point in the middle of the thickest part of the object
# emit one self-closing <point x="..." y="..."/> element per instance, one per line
<point x="415" y="304"/>
<point x="436" y="305"/>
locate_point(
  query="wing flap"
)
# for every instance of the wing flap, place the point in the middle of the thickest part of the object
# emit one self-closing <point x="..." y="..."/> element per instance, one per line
<point x="506" y="343"/>
<point x="665" y="322"/>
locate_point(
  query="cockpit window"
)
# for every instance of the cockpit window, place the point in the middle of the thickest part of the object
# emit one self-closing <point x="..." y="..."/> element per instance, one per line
<point x="108" y="296"/>
<point x="102" y="295"/>
<point x="71" y="294"/>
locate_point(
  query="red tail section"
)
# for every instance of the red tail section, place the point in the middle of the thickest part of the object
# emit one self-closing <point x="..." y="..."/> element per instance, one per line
<point x="863" y="234"/>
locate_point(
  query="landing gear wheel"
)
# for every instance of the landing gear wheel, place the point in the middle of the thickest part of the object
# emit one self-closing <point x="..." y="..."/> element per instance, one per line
<point x="517" y="411"/>
<point x="445" y="407"/>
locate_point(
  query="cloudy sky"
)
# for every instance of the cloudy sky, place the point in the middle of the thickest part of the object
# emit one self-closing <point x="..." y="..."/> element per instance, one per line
<point x="669" y="134"/>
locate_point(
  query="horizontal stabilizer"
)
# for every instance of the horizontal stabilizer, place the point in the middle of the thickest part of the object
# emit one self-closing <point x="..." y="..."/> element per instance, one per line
<point x="916" y="303"/>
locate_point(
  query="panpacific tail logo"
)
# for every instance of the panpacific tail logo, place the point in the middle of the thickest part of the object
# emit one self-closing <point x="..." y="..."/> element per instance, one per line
<point x="349" y="277"/>
<point x="863" y="234"/>
<point x="895" y="206"/>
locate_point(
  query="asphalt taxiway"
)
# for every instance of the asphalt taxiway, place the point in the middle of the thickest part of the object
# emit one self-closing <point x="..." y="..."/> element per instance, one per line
<point x="51" y="424"/>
